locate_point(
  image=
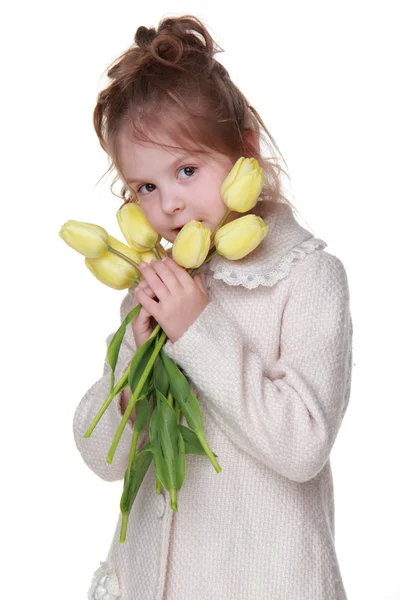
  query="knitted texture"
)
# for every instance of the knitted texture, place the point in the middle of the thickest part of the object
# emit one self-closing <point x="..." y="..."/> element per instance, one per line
<point x="271" y="367"/>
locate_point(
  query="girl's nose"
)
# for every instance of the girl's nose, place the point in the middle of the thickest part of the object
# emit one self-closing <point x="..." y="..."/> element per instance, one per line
<point x="170" y="202"/>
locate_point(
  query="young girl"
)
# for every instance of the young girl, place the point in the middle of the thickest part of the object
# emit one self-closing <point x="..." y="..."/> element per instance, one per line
<point x="266" y="342"/>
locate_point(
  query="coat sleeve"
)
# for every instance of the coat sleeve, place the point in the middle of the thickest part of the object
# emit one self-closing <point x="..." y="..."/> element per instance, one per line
<point x="288" y="417"/>
<point x="94" y="449"/>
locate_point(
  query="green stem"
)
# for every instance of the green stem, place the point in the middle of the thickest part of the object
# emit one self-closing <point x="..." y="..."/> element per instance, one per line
<point x="193" y="272"/>
<point x="129" y="260"/>
<point x="208" y="452"/>
<point x="135" y="396"/>
<point x="135" y="437"/>
<point x="156" y="252"/>
<point x="173" y="499"/>
<point x="175" y="406"/>
<point x="124" y="526"/>
<point x="121" y="384"/>
<point x="210" y="256"/>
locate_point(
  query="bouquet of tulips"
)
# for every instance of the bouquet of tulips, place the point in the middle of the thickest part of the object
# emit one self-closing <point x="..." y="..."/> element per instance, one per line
<point x="151" y="373"/>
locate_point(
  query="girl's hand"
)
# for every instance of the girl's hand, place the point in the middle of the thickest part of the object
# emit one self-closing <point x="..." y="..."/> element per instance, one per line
<point x="143" y="324"/>
<point x="181" y="297"/>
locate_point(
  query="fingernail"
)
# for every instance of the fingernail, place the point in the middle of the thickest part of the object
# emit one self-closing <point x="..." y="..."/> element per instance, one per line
<point x="142" y="265"/>
<point x="164" y="259"/>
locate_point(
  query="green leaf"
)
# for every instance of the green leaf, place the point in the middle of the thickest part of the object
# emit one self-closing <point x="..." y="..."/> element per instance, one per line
<point x="178" y="383"/>
<point x="160" y="377"/>
<point x="135" y="478"/>
<point x="156" y="449"/>
<point x="147" y="448"/>
<point x="115" y="344"/>
<point x="168" y="436"/>
<point x="181" y="391"/>
<point x="180" y="462"/>
<point x="139" y="363"/>
<point x="192" y="443"/>
<point x="192" y="413"/>
<point x="148" y="367"/>
<point x="142" y="408"/>
<point x="122" y="383"/>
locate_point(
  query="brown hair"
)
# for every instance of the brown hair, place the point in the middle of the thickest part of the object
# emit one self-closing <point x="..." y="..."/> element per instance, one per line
<point x="170" y="72"/>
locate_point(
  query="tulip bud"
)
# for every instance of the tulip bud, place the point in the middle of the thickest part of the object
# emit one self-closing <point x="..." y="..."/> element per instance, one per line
<point x="149" y="255"/>
<point x="127" y="250"/>
<point x="240" y="237"/>
<point x="86" y="238"/>
<point x="191" y="245"/>
<point x="113" y="270"/>
<point x="242" y="187"/>
<point x="135" y="227"/>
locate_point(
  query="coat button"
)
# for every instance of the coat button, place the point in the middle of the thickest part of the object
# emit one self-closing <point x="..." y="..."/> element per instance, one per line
<point x="160" y="505"/>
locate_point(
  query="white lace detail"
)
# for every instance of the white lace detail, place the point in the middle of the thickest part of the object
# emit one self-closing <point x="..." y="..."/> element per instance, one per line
<point x="250" y="280"/>
<point x="105" y="585"/>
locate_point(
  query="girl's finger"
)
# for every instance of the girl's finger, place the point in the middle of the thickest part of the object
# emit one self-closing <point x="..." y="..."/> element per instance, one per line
<point x="147" y="290"/>
<point x="154" y="281"/>
<point x="199" y="281"/>
<point x="143" y="285"/>
<point x="180" y="273"/>
<point x="166" y="275"/>
<point x="149" y="304"/>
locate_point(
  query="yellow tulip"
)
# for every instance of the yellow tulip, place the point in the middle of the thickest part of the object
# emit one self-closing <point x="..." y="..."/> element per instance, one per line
<point x="243" y="185"/>
<point x="113" y="270"/>
<point x="240" y="237"/>
<point x="124" y="249"/>
<point x="86" y="238"/>
<point x="191" y="245"/>
<point x="148" y="255"/>
<point x="135" y="227"/>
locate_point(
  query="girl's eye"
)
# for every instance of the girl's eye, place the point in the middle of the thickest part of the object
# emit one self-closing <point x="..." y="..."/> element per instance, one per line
<point x="145" y="186"/>
<point x="189" y="171"/>
<point x="193" y="169"/>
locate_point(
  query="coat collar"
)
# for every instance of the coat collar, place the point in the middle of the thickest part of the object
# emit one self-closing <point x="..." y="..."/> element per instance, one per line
<point x="285" y="243"/>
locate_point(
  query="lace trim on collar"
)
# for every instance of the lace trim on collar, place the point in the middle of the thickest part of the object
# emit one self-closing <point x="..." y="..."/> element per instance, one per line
<point x="234" y="276"/>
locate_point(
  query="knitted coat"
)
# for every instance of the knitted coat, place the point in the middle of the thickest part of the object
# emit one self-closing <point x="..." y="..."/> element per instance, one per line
<point x="270" y="360"/>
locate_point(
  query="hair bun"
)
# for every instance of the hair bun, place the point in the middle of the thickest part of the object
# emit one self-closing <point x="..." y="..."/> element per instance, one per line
<point x="144" y="36"/>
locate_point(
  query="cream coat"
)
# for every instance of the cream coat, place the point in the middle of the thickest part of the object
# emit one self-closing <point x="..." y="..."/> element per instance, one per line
<point x="270" y="360"/>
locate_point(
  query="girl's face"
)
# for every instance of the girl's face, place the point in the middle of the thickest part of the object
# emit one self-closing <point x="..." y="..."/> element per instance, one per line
<point x="174" y="187"/>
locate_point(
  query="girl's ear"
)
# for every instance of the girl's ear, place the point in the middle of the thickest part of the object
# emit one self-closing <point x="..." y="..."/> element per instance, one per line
<point x="252" y="141"/>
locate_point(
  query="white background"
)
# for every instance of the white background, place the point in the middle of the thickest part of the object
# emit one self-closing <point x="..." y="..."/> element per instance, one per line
<point x="323" y="76"/>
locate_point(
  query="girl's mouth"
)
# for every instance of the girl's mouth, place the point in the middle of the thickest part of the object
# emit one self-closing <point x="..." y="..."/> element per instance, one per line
<point x="177" y="229"/>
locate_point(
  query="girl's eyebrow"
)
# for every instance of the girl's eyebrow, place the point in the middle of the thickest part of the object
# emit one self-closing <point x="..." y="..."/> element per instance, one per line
<point x="171" y="166"/>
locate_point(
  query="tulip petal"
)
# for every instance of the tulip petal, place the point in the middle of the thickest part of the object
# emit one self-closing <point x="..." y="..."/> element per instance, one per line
<point x="232" y="175"/>
<point x="86" y="238"/>
<point x="240" y="237"/>
<point x="243" y="185"/>
<point x="113" y="270"/>
<point x="191" y="245"/>
<point x="136" y="228"/>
